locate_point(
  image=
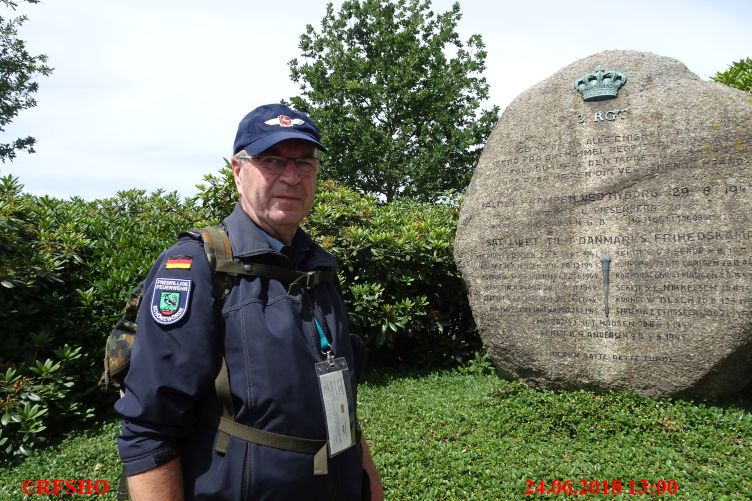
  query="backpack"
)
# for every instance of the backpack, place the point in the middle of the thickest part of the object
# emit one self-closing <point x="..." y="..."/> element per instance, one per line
<point x="117" y="352"/>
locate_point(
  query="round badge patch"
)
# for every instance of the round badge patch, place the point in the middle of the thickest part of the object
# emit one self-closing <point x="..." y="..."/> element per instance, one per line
<point x="169" y="303"/>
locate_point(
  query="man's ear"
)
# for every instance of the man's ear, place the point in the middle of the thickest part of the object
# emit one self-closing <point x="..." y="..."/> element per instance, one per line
<point x="236" y="171"/>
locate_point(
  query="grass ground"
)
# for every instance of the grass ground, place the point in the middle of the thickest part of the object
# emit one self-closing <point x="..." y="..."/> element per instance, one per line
<point x="447" y="436"/>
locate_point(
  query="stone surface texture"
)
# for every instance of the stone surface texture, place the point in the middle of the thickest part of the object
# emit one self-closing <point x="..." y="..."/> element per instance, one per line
<point x="659" y="179"/>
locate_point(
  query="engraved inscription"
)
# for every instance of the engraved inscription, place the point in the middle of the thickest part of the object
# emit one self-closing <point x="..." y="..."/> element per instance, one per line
<point x="662" y="265"/>
<point x="607" y="116"/>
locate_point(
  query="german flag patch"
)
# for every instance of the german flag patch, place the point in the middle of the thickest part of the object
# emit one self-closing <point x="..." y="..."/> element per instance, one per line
<point x="179" y="263"/>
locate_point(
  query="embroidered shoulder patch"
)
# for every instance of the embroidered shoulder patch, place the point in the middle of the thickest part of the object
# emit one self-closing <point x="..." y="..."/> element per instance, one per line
<point x="169" y="303"/>
<point x="179" y="262"/>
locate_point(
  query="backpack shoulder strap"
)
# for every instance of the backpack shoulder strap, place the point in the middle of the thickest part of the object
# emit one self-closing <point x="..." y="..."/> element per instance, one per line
<point x="216" y="244"/>
<point x="219" y="253"/>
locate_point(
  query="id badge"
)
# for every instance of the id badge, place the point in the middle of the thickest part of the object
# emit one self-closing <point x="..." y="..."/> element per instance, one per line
<point x="339" y="409"/>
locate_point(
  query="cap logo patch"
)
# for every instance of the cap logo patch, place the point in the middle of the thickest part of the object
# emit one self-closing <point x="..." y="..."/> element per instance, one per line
<point x="169" y="303"/>
<point x="284" y="121"/>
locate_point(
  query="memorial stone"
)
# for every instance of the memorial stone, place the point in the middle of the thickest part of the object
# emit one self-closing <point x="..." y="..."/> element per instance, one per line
<point x="606" y="236"/>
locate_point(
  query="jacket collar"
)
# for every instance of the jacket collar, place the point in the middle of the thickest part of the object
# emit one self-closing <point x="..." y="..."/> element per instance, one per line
<point x="247" y="240"/>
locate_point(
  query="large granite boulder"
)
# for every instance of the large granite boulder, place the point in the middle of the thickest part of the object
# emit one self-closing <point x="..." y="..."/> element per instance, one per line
<point x="606" y="237"/>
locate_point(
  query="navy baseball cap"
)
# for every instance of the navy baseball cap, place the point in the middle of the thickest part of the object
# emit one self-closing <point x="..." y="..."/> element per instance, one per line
<point x="267" y="125"/>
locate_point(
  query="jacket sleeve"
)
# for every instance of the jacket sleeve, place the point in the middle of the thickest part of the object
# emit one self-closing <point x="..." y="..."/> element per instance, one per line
<point x="174" y="359"/>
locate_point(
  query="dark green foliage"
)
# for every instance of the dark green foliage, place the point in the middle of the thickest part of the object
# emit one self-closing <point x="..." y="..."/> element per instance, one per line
<point x="41" y="260"/>
<point x="128" y="234"/>
<point x="479" y="365"/>
<point x="66" y="268"/>
<point x="218" y="195"/>
<point x="397" y="97"/>
<point x="397" y="274"/>
<point x="738" y="75"/>
<point x="18" y="68"/>
<point x="35" y="257"/>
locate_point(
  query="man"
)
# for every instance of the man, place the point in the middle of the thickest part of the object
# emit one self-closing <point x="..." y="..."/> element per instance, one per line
<point x="285" y="348"/>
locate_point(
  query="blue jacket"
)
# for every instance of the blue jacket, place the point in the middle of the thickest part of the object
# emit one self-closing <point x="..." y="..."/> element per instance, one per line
<point x="270" y="344"/>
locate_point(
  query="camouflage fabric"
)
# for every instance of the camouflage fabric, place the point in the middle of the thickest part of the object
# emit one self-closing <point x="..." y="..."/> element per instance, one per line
<point x="117" y="351"/>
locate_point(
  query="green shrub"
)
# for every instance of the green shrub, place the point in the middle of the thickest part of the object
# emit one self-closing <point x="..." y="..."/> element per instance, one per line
<point x="218" y="195"/>
<point x="36" y="397"/>
<point x="738" y="75"/>
<point x="41" y="261"/>
<point x="66" y="268"/>
<point x="128" y="234"/>
<point x="398" y="275"/>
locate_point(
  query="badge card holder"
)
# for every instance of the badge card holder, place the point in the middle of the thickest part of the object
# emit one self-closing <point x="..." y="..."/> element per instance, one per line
<point x="339" y="408"/>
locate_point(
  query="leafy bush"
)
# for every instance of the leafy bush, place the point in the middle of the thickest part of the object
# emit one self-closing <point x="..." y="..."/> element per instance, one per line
<point x="66" y="268"/>
<point x="129" y="232"/>
<point x="218" y="195"/>
<point x="41" y="261"/>
<point x="479" y="365"/>
<point x="32" y="400"/>
<point x="738" y="75"/>
<point x="397" y="272"/>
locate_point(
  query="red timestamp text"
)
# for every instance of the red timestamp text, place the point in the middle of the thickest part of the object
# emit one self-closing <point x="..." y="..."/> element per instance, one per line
<point x="606" y="487"/>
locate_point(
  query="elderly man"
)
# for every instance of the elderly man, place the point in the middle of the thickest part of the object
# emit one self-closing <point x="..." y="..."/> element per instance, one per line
<point x="281" y="423"/>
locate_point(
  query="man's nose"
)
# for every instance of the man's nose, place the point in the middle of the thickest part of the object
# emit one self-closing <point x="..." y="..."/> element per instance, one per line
<point x="291" y="174"/>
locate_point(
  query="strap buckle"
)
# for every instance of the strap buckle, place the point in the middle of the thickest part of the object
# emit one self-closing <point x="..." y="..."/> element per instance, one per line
<point x="306" y="280"/>
<point x="311" y="279"/>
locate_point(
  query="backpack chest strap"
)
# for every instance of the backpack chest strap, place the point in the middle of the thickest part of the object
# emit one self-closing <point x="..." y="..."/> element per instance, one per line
<point x="227" y="427"/>
<point x="219" y="253"/>
<point x="297" y="279"/>
<point x="318" y="448"/>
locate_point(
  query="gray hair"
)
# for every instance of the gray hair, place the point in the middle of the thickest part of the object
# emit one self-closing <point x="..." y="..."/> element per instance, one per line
<point x="244" y="155"/>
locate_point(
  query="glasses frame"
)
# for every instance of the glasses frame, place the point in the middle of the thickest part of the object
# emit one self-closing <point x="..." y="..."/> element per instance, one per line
<point x="301" y="171"/>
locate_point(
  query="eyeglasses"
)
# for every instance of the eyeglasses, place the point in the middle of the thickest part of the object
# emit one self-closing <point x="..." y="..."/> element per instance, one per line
<point x="305" y="166"/>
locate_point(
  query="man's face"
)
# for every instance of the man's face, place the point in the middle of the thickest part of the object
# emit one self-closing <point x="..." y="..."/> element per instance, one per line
<point x="277" y="202"/>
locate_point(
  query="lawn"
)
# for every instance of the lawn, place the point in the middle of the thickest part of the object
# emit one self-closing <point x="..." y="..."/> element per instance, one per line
<point x="447" y="436"/>
<point x="444" y="435"/>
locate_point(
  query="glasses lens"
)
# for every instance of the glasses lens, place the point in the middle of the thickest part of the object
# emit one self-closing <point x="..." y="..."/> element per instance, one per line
<point x="307" y="165"/>
<point x="273" y="163"/>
